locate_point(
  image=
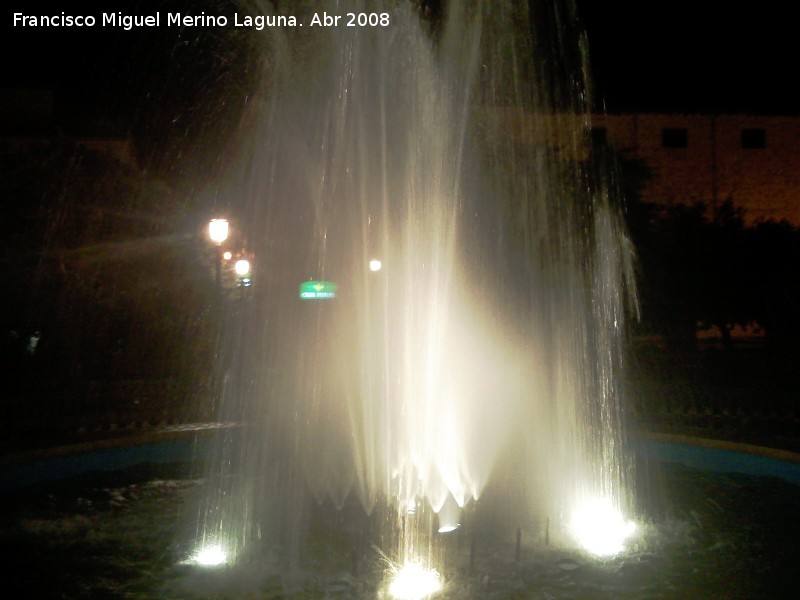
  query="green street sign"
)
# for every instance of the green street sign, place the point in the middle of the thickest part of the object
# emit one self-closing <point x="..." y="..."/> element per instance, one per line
<point x="317" y="290"/>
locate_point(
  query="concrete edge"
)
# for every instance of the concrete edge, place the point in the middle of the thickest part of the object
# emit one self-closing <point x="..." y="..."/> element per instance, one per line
<point x="166" y="435"/>
<point x="688" y="440"/>
<point x="209" y="428"/>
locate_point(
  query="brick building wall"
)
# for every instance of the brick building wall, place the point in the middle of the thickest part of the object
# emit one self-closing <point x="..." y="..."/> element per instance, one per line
<point x="28" y="118"/>
<point x="749" y="159"/>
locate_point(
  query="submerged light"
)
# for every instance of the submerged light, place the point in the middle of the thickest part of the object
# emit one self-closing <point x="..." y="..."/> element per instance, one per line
<point x="449" y="515"/>
<point x="210" y="556"/>
<point x="600" y="528"/>
<point x="414" y="581"/>
<point x="412" y="507"/>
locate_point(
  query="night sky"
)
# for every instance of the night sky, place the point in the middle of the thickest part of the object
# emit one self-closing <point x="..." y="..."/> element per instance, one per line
<point x="682" y="55"/>
<point x="678" y="56"/>
<point x="694" y="55"/>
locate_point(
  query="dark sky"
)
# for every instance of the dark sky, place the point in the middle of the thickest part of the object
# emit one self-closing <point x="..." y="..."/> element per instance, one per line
<point x="676" y="56"/>
<point x="694" y="55"/>
<point x="166" y="87"/>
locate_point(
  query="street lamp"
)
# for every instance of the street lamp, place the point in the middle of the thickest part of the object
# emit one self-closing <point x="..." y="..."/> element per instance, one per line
<point x="242" y="268"/>
<point x="218" y="232"/>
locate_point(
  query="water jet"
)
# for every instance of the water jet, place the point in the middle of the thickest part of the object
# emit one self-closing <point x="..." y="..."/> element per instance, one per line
<point x="490" y="331"/>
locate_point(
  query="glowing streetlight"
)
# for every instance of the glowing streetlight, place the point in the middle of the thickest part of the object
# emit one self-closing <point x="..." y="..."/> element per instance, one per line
<point x="218" y="232"/>
<point x="375" y="265"/>
<point x="242" y="269"/>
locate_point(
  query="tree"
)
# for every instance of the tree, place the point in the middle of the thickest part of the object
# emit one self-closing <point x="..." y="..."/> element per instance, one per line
<point x="98" y="260"/>
<point x="772" y="266"/>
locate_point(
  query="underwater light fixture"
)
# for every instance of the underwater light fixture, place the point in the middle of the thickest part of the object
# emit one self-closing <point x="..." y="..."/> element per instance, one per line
<point x="411" y="508"/>
<point x="210" y="556"/>
<point x="449" y="515"/>
<point x="600" y="528"/>
<point x="414" y="581"/>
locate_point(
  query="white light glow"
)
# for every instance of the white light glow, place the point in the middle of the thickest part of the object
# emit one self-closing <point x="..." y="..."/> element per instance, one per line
<point x="218" y="230"/>
<point x="600" y="528"/>
<point x="210" y="556"/>
<point x="242" y="266"/>
<point x="227" y="255"/>
<point x="375" y="265"/>
<point x="415" y="582"/>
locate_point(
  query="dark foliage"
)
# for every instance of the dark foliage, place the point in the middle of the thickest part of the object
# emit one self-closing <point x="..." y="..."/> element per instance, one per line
<point x="100" y="261"/>
<point x="703" y="268"/>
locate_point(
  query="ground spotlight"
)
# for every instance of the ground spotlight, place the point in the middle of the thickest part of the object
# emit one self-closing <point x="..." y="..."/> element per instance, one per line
<point x="210" y="556"/>
<point x="449" y="515"/>
<point x="415" y="581"/>
<point x="599" y="527"/>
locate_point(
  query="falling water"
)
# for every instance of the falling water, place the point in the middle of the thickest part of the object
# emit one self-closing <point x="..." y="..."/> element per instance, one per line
<point x="487" y="348"/>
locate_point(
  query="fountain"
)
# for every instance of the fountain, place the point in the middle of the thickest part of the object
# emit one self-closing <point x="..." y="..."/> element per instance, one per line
<point x="425" y="369"/>
<point x="426" y="169"/>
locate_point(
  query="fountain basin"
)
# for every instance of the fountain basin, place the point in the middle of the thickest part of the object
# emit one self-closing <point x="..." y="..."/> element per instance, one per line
<point x="182" y="444"/>
<point x="185" y="444"/>
<point x="720" y="456"/>
<point x="719" y="520"/>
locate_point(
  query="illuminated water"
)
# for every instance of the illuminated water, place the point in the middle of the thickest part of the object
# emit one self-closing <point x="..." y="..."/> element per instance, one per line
<point x="487" y="348"/>
<point x="706" y="536"/>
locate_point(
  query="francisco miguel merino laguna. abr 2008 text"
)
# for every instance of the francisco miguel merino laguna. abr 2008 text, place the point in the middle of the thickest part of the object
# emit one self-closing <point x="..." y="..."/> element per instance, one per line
<point x="128" y="22"/>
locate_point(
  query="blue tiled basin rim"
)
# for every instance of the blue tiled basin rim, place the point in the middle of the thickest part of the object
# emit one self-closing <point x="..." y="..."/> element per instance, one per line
<point x="193" y="444"/>
<point x="719" y="456"/>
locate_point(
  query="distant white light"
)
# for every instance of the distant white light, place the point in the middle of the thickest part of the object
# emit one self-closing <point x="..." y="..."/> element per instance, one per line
<point x="375" y="265"/>
<point x="415" y="582"/>
<point x="210" y="556"/>
<point x="600" y="528"/>
<point x="242" y="267"/>
<point x="227" y="255"/>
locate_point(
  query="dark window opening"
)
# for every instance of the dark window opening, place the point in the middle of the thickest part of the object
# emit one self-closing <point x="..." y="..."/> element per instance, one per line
<point x="754" y="138"/>
<point x="675" y="137"/>
<point x="599" y="136"/>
